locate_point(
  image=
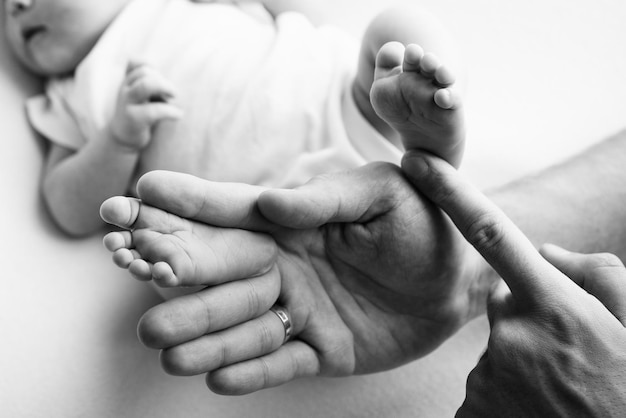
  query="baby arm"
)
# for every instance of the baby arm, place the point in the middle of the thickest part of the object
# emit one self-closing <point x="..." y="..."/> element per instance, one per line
<point x="75" y="184"/>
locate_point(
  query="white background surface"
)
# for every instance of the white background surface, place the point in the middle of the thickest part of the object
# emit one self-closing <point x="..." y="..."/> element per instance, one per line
<point x="546" y="80"/>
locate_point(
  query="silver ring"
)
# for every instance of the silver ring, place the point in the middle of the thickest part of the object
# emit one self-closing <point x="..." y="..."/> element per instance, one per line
<point x="281" y="313"/>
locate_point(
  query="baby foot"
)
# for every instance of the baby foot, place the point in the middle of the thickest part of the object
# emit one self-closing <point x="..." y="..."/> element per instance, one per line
<point x="174" y="251"/>
<point x="415" y="95"/>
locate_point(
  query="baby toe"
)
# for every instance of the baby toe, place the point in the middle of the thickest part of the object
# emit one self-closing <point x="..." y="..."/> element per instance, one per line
<point x="140" y="269"/>
<point x="163" y="275"/>
<point x="114" y="241"/>
<point x="429" y="64"/>
<point x="120" y="211"/>
<point x="447" y="98"/>
<point x="444" y="76"/>
<point x="412" y="56"/>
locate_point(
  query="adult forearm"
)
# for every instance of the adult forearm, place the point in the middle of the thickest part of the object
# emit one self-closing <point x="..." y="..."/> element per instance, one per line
<point x="579" y="204"/>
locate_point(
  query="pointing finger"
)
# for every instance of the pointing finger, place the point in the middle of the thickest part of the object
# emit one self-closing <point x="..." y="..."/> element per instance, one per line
<point x="483" y="224"/>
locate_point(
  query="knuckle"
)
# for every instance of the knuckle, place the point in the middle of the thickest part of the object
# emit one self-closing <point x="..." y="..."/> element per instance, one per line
<point x="220" y="353"/>
<point x="265" y="336"/>
<point x="507" y="342"/>
<point x="486" y="232"/>
<point x="203" y="306"/>
<point x="264" y="372"/>
<point x="498" y="336"/>
<point x="254" y="305"/>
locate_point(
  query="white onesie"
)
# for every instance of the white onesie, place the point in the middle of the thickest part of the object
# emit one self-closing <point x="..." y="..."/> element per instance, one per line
<point x="265" y="102"/>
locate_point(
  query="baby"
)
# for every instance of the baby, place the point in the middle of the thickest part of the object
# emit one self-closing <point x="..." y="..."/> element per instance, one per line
<point x="222" y="93"/>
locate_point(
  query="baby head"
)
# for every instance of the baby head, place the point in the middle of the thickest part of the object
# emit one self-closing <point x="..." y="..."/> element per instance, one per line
<point x="51" y="37"/>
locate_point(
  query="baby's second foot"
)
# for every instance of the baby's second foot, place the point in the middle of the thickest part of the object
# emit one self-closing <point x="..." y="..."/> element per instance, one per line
<point x="415" y="95"/>
<point x="171" y="250"/>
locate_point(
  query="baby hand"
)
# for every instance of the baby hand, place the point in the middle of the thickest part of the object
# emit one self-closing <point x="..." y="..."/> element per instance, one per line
<point x="141" y="104"/>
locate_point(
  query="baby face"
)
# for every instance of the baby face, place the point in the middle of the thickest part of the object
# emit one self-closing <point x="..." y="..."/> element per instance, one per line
<point x="51" y="37"/>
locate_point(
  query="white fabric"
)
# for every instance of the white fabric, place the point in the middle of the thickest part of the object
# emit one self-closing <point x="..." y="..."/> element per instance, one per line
<point x="262" y="100"/>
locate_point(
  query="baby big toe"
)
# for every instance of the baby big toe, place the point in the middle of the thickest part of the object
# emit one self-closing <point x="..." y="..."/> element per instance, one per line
<point x="120" y="211"/>
<point x="389" y="60"/>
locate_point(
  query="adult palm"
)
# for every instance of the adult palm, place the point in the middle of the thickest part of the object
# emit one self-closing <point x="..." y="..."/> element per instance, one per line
<point x="372" y="275"/>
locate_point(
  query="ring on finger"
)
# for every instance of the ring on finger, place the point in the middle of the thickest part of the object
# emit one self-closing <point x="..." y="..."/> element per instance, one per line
<point x="281" y="313"/>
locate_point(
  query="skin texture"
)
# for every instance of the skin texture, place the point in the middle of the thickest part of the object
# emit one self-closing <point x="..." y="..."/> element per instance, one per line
<point x="356" y="306"/>
<point x="551" y="203"/>
<point x="555" y="347"/>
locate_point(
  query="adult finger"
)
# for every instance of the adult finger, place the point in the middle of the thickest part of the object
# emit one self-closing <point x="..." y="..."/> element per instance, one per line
<point x="601" y="275"/>
<point x="251" y="339"/>
<point x="293" y="360"/>
<point x="231" y="205"/>
<point x="483" y="224"/>
<point x="188" y="317"/>
<point x="349" y="196"/>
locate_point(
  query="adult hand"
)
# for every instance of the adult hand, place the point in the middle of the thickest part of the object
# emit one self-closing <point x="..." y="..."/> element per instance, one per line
<point x="372" y="275"/>
<point x="557" y="338"/>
